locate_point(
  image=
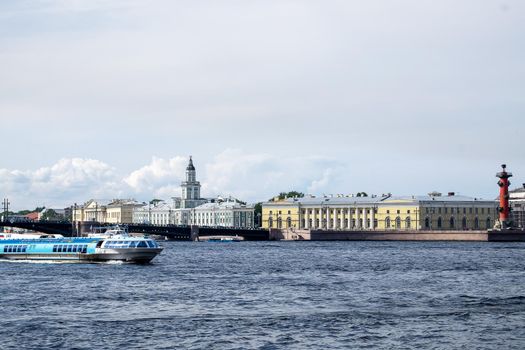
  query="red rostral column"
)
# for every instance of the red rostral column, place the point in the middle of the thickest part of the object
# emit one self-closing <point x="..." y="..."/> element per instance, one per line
<point x="504" y="208"/>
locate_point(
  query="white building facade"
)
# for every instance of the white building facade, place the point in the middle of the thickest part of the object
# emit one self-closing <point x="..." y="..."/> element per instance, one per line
<point x="191" y="209"/>
<point x="229" y="213"/>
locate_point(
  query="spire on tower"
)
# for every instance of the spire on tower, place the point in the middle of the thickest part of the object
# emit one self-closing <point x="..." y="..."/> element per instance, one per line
<point x="190" y="165"/>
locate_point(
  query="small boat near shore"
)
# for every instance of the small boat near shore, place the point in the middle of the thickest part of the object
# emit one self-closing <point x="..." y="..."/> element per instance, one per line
<point x="113" y="245"/>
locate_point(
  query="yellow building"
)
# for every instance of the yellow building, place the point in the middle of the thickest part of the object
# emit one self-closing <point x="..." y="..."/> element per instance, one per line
<point x="118" y="211"/>
<point x="432" y="212"/>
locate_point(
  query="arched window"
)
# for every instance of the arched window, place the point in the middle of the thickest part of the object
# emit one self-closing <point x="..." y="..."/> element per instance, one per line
<point x="427" y="223"/>
<point x="440" y="222"/>
<point x="476" y="223"/>
<point x="367" y="223"/>
<point x="353" y="223"/>
<point x="289" y="222"/>
<point x="270" y="222"/>
<point x="464" y="223"/>
<point x="452" y="223"/>
<point x="398" y="222"/>
<point x="407" y="222"/>
<point x="489" y="223"/>
<point x="375" y="223"/>
<point x="279" y="223"/>
<point x="387" y="222"/>
<point x="310" y="223"/>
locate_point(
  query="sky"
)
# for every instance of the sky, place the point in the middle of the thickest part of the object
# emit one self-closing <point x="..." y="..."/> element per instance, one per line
<point x="108" y="99"/>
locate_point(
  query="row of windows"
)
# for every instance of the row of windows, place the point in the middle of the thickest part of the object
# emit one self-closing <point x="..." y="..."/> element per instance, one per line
<point x="388" y="223"/>
<point x="444" y="210"/>
<point x="70" y="248"/>
<point x="457" y="210"/>
<point x="464" y="223"/>
<point x="130" y="244"/>
<point x="15" y="248"/>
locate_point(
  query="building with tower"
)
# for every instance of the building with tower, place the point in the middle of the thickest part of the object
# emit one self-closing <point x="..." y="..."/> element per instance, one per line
<point x="191" y="209"/>
<point x="191" y="189"/>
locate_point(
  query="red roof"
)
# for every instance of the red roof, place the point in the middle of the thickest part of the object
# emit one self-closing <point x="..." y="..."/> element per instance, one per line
<point x="32" y="216"/>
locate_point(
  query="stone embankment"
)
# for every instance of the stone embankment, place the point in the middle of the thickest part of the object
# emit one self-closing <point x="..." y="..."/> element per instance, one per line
<point x="332" y="235"/>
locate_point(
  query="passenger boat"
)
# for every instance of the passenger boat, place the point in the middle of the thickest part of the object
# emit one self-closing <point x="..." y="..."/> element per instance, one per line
<point x="113" y="245"/>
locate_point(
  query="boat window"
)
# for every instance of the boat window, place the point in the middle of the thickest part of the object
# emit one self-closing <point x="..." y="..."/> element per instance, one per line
<point x="5" y="248"/>
<point x="9" y="249"/>
<point x="54" y="249"/>
<point x="69" y="248"/>
<point x="19" y="249"/>
<point x="133" y="244"/>
<point x="142" y="244"/>
<point x="24" y="249"/>
<point x="150" y="244"/>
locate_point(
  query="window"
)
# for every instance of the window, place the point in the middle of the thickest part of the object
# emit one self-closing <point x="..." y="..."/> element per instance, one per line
<point x="452" y="223"/>
<point x="398" y="222"/>
<point x="142" y="244"/>
<point x="387" y="222"/>
<point x="289" y="222"/>
<point x="464" y="223"/>
<point x="69" y="248"/>
<point x="54" y="248"/>
<point x="488" y="223"/>
<point x="399" y="212"/>
<point x="407" y="222"/>
<point x="446" y="210"/>
<point x="476" y="223"/>
<point x="270" y="222"/>
<point x="440" y="223"/>
<point x="427" y="223"/>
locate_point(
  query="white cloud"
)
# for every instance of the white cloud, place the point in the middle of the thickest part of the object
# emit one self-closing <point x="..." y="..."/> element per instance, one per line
<point x="248" y="176"/>
<point x="257" y="177"/>
<point x="61" y="184"/>
<point x="161" y="177"/>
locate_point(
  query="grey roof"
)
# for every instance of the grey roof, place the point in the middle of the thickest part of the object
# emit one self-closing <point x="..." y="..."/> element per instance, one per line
<point x="377" y="200"/>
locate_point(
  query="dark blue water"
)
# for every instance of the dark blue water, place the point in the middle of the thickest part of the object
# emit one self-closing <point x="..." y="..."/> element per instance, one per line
<point x="282" y="295"/>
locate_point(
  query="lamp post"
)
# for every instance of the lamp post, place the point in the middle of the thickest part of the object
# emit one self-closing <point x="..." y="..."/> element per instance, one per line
<point x="6" y="209"/>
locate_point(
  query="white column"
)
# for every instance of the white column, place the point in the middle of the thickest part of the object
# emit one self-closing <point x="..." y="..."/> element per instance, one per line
<point x="349" y="216"/>
<point x="342" y="219"/>
<point x="314" y="218"/>
<point x="335" y="218"/>
<point x="365" y="226"/>
<point x="307" y="219"/>
<point x="357" y="221"/>
<point x="372" y="218"/>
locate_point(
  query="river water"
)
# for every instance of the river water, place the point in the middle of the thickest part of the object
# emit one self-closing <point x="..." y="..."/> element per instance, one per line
<point x="274" y="295"/>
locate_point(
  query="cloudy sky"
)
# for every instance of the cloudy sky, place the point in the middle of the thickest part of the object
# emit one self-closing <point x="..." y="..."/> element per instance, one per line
<point x="107" y="99"/>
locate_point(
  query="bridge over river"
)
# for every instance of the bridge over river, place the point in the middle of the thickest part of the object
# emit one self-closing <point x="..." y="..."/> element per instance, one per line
<point x="174" y="232"/>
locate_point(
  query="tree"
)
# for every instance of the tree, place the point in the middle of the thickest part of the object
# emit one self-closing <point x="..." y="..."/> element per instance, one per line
<point x="50" y="214"/>
<point x="291" y="194"/>
<point x="155" y="201"/>
<point x="257" y="209"/>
